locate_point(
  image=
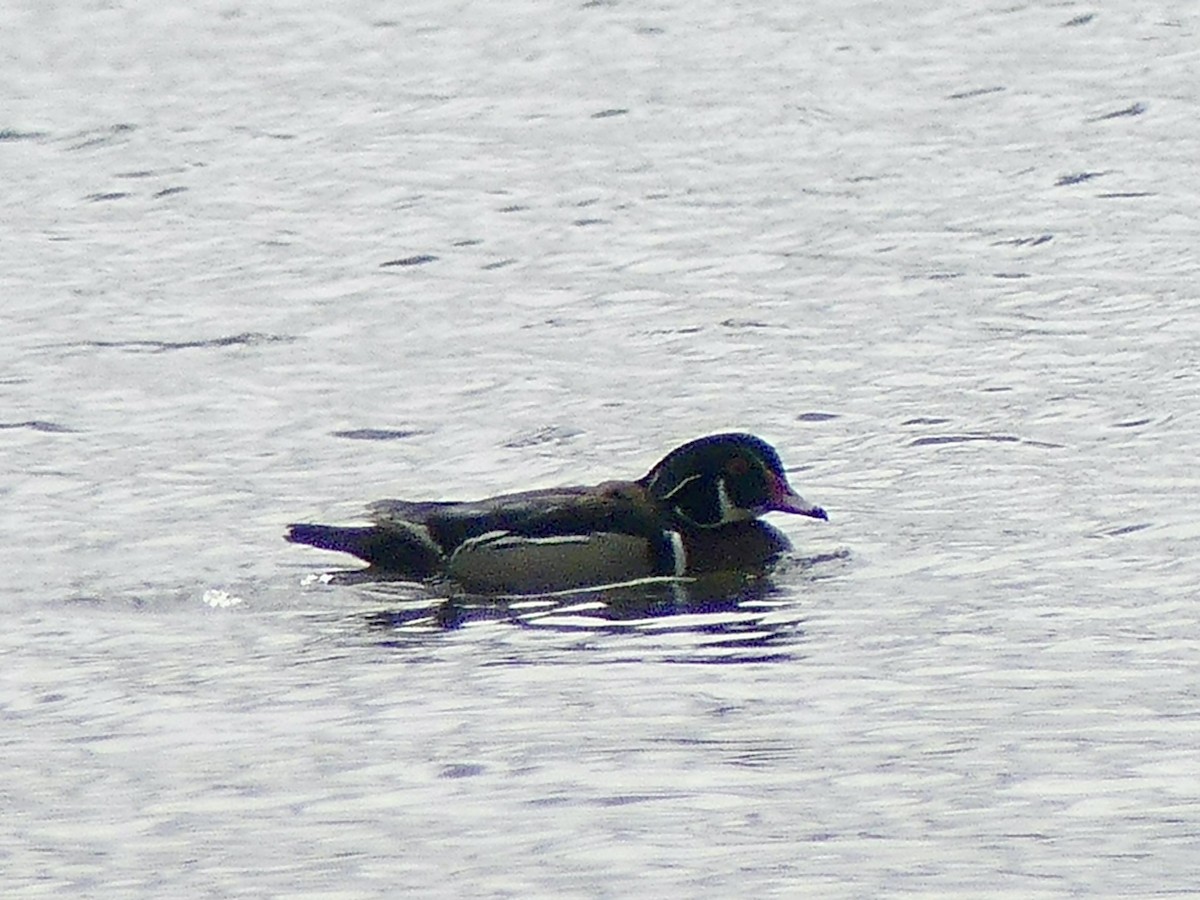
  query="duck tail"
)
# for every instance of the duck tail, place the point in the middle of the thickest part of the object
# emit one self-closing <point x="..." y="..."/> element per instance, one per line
<point x="395" y="550"/>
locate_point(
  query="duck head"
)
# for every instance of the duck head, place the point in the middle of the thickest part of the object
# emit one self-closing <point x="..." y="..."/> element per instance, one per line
<point x="724" y="478"/>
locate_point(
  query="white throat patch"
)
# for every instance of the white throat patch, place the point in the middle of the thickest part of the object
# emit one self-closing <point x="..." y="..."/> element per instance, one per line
<point x="727" y="509"/>
<point x="678" y="553"/>
<point x="730" y="512"/>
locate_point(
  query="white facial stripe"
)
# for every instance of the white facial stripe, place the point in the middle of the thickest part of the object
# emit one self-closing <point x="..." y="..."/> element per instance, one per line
<point x="679" y="487"/>
<point x="678" y="553"/>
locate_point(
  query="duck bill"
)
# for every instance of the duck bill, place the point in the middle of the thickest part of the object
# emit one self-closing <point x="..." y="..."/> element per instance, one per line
<point x="784" y="499"/>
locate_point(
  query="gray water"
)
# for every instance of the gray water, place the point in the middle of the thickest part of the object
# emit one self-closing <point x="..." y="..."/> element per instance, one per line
<point x="264" y="263"/>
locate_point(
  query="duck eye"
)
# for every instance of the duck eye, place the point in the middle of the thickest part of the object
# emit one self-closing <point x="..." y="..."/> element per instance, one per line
<point x="737" y="466"/>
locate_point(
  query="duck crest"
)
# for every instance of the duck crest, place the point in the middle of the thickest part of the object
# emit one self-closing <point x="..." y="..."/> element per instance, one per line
<point x="717" y="480"/>
<point x="699" y="500"/>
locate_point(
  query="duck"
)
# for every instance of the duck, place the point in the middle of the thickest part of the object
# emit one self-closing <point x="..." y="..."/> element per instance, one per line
<point x="697" y="511"/>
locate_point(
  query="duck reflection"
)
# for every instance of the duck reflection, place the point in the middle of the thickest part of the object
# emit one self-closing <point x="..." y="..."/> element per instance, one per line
<point x="754" y="613"/>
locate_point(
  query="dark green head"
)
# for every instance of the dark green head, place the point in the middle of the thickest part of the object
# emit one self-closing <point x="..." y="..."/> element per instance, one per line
<point x="724" y="478"/>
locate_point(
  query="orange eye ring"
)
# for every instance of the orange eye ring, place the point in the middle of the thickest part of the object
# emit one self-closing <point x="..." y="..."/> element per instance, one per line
<point x="737" y="466"/>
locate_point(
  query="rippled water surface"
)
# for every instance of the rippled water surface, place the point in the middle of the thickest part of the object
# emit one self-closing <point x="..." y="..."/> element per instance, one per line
<point x="263" y="263"/>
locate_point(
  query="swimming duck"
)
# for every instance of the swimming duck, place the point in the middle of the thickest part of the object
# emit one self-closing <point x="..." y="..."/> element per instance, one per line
<point x="696" y="511"/>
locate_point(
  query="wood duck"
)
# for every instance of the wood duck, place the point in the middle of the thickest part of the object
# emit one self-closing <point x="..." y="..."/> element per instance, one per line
<point x="695" y="512"/>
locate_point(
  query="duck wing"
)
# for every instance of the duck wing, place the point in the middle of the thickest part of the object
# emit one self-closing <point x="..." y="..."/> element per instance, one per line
<point x="523" y="543"/>
<point x="613" y="507"/>
<point x="540" y="541"/>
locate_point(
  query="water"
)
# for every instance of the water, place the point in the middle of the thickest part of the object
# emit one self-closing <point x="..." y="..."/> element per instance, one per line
<point x="265" y="264"/>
